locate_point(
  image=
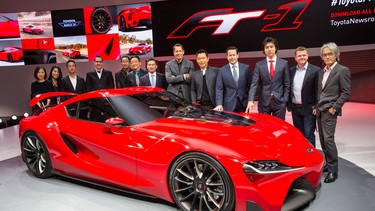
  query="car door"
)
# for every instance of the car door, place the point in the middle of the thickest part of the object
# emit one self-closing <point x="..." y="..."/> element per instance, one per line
<point x="106" y="156"/>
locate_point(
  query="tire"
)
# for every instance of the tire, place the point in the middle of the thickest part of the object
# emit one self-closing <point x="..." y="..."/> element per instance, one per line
<point x="100" y="21"/>
<point x="10" y="58"/>
<point x="36" y="155"/>
<point x="199" y="182"/>
<point x="122" y="24"/>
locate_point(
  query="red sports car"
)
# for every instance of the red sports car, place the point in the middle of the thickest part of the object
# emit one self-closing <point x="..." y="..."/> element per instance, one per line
<point x="32" y="29"/>
<point x="11" y="54"/>
<point x="129" y="18"/>
<point x="141" y="48"/>
<point x="71" y="53"/>
<point x="152" y="142"/>
<point x="9" y="27"/>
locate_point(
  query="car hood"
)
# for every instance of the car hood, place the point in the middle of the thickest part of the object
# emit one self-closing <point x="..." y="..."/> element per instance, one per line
<point x="267" y="138"/>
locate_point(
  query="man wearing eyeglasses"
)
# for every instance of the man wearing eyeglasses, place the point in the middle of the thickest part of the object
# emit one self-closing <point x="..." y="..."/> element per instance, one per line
<point x="99" y="78"/>
<point x="333" y="90"/>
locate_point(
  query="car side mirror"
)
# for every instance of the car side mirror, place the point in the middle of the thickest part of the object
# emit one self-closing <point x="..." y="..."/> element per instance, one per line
<point x="112" y="125"/>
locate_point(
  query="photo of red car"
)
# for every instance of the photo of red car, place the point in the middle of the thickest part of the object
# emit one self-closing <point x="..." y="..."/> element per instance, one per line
<point x="8" y="26"/>
<point x="32" y="29"/>
<point x="130" y="18"/>
<point x="141" y="48"/>
<point x="71" y="53"/>
<point x="151" y="142"/>
<point x="97" y="20"/>
<point x="11" y="54"/>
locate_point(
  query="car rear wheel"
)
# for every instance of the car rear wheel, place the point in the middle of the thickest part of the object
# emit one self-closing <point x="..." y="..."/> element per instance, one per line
<point x="122" y="24"/>
<point x="199" y="182"/>
<point x="100" y="21"/>
<point x="36" y="156"/>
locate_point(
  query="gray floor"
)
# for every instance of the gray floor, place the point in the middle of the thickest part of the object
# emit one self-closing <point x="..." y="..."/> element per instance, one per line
<point x="354" y="189"/>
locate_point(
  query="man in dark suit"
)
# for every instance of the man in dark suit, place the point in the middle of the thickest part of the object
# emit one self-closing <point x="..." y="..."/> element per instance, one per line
<point x="72" y="82"/>
<point x="272" y="74"/>
<point x="303" y="94"/>
<point x="120" y="76"/>
<point x="153" y="78"/>
<point x="333" y="90"/>
<point x="177" y="73"/>
<point x="134" y="77"/>
<point x="100" y="78"/>
<point x="232" y="84"/>
<point x="203" y="82"/>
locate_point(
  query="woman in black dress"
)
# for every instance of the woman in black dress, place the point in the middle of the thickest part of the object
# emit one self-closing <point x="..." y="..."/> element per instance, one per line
<point x="40" y="86"/>
<point x="55" y="77"/>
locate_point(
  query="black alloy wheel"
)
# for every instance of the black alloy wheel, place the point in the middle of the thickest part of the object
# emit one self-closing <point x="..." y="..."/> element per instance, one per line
<point x="122" y="24"/>
<point x="36" y="156"/>
<point x="199" y="182"/>
<point x="100" y="21"/>
<point x="10" y="58"/>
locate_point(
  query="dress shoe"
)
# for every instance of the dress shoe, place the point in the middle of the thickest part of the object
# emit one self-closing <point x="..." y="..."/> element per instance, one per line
<point x="331" y="177"/>
<point x="325" y="168"/>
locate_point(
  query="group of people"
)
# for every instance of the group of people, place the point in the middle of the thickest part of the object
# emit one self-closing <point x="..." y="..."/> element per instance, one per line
<point x="312" y="94"/>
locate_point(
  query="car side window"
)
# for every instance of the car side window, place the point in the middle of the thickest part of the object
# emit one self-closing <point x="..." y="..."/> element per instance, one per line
<point x="94" y="110"/>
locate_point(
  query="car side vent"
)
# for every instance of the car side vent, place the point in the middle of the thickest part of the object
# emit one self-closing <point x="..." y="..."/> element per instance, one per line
<point x="70" y="144"/>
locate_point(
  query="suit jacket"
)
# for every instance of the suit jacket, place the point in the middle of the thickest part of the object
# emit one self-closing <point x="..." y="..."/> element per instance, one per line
<point x="197" y="84"/>
<point x="278" y="87"/>
<point x="67" y="86"/>
<point x="120" y="78"/>
<point x="309" y="88"/>
<point x="94" y="83"/>
<point x="175" y="77"/>
<point x="226" y="89"/>
<point x="131" y="79"/>
<point x="336" y="90"/>
<point x="161" y="82"/>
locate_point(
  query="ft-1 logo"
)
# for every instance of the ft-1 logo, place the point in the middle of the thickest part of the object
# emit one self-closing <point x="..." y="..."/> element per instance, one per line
<point x="224" y="20"/>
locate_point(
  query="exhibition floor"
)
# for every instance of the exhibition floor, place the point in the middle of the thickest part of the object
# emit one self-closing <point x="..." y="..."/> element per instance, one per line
<point x="353" y="190"/>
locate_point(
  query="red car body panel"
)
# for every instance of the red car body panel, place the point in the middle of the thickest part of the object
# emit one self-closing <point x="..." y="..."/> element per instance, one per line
<point x="71" y="53"/>
<point x="141" y="48"/>
<point x="32" y="29"/>
<point x="9" y="27"/>
<point x="134" y="17"/>
<point x="38" y="44"/>
<point x="138" y="157"/>
<point x="11" y="54"/>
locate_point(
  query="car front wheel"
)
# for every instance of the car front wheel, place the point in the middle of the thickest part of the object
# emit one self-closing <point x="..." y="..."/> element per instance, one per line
<point x="199" y="182"/>
<point x="35" y="155"/>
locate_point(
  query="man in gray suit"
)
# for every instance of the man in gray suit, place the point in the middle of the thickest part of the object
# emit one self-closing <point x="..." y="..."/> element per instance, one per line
<point x="272" y="74"/>
<point x="303" y="94"/>
<point x="232" y="84"/>
<point x="203" y="82"/>
<point x="177" y="73"/>
<point x="333" y="90"/>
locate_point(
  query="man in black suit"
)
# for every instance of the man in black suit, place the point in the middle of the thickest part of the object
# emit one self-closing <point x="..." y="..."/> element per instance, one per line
<point x="153" y="78"/>
<point x="120" y="76"/>
<point x="333" y="91"/>
<point x="232" y="83"/>
<point x="303" y="94"/>
<point x="100" y="78"/>
<point x="203" y="82"/>
<point x="134" y="77"/>
<point x="72" y="82"/>
<point x="272" y="74"/>
<point x="177" y="73"/>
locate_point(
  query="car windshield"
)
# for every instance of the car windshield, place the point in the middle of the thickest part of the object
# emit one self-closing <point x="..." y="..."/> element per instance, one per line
<point x="141" y="108"/>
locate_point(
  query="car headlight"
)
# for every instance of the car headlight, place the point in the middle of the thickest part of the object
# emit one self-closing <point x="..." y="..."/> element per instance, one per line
<point x="267" y="167"/>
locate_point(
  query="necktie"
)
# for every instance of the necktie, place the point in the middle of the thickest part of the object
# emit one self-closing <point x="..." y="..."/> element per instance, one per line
<point x="153" y="80"/>
<point x="272" y="69"/>
<point x="235" y="75"/>
<point x="137" y="79"/>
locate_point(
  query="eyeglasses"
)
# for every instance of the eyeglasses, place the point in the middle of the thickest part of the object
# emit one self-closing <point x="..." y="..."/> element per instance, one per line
<point x="328" y="54"/>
